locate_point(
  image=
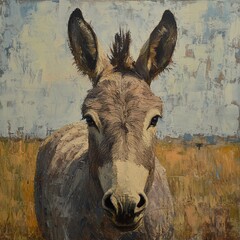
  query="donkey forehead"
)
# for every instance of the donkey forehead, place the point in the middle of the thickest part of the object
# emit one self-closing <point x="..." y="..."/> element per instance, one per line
<point x="121" y="94"/>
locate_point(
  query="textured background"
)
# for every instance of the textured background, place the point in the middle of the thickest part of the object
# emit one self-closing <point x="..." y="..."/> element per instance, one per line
<point x="40" y="89"/>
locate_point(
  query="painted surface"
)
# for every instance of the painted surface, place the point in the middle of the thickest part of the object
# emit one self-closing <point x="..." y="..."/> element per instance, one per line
<point x="204" y="183"/>
<point x="40" y="89"/>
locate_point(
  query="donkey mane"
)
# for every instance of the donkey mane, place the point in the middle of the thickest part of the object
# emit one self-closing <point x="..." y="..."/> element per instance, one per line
<point x="120" y="56"/>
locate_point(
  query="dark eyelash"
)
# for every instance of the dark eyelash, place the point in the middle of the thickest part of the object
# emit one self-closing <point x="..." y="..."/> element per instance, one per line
<point x="89" y="120"/>
<point x="154" y="121"/>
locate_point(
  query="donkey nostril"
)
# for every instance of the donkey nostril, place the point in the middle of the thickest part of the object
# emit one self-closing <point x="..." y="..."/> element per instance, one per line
<point x="142" y="201"/>
<point x="107" y="202"/>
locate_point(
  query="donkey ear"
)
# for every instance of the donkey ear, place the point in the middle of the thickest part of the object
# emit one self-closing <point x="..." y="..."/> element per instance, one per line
<point x="84" y="45"/>
<point x="156" y="53"/>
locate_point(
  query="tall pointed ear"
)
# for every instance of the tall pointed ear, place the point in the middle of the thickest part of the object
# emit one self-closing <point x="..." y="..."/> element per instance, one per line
<point x="84" y="46"/>
<point x="157" y="52"/>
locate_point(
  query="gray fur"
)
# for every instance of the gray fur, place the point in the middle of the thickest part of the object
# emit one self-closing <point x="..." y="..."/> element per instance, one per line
<point x="68" y="193"/>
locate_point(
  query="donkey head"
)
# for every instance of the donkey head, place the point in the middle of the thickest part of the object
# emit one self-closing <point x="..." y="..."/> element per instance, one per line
<point x="121" y="113"/>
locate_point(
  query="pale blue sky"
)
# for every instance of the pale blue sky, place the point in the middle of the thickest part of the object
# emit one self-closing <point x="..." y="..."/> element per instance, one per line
<point x="40" y="89"/>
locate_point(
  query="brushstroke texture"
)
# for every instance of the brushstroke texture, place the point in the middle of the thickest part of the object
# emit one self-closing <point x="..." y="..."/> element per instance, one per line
<point x="205" y="185"/>
<point x="41" y="91"/>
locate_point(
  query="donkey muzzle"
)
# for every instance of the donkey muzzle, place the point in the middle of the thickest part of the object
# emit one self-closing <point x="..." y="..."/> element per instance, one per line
<point x="125" y="211"/>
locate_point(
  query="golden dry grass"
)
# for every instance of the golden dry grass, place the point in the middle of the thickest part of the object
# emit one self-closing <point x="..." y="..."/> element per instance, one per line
<point x="17" y="167"/>
<point x="205" y="184"/>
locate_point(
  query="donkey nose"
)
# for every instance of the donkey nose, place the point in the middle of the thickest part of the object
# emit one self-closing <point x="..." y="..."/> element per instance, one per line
<point x="125" y="208"/>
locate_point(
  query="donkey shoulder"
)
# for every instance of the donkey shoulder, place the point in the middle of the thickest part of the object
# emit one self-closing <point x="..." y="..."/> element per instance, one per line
<point x="65" y="145"/>
<point x="61" y="153"/>
<point x="62" y="157"/>
<point x="60" y="172"/>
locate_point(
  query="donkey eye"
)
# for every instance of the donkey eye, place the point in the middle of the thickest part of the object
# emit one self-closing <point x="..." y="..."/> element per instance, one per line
<point x="90" y="122"/>
<point x="154" y="121"/>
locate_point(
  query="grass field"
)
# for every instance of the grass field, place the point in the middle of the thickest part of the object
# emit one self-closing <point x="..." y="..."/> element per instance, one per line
<point x="204" y="180"/>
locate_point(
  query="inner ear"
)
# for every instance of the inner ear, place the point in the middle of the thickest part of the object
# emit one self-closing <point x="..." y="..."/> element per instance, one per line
<point x="157" y="52"/>
<point x="83" y="43"/>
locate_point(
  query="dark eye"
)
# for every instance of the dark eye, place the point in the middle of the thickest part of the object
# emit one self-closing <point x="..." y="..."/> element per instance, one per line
<point x="154" y="121"/>
<point x="89" y="120"/>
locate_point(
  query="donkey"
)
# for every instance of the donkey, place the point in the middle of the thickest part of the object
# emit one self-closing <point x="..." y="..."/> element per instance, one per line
<point x="101" y="180"/>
